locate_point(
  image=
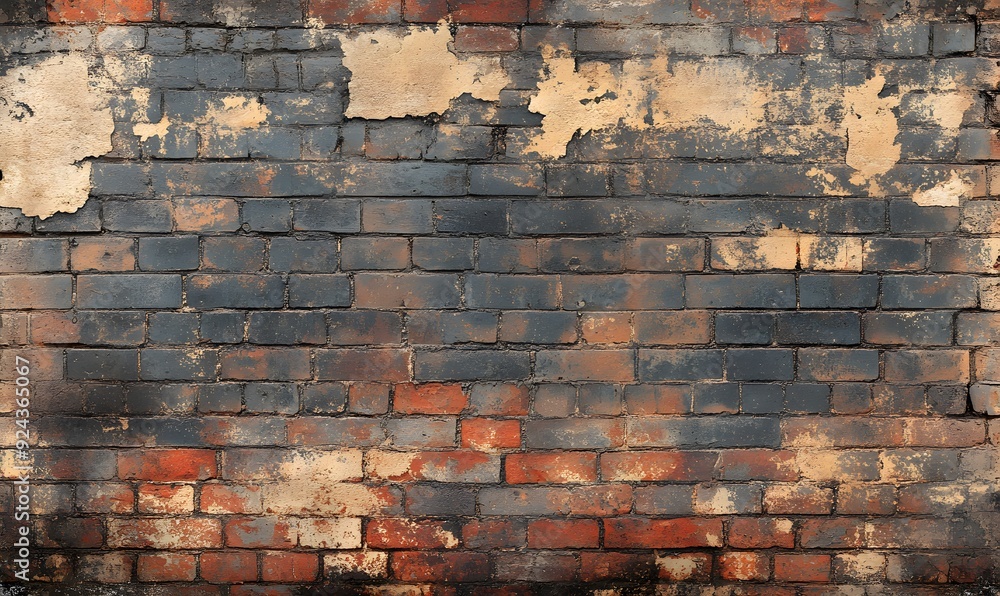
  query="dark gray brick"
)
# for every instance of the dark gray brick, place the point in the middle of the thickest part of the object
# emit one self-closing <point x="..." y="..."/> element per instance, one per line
<point x="428" y="327"/>
<point x="679" y="365"/>
<point x="375" y="253"/>
<point x="120" y="179"/>
<point x="85" y="219"/>
<point x="398" y="216"/>
<point x="807" y="398"/>
<point x="929" y="291"/>
<point x="140" y="290"/>
<point x="33" y="255"/>
<point x="168" y="254"/>
<point x="155" y="399"/>
<point x="137" y="216"/>
<point x="223" y="327"/>
<point x="327" y="215"/>
<point x="234" y="253"/>
<point x="108" y="365"/>
<point x="907" y="217"/>
<point x="111" y="328"/>
<point x="594" y="433"/>
<point x="324" y="398"/>
<point x="235" y="291"/>
<point x="518" y="291"/>
<point x="454" y="142"/>
<point x="577" y="180"/>
<point x="744" y="328"/>
<point x="440" y="499"/>
<point x="267" y="215"/>
<point x="595" y="399"/>
<point x="220" y="398"/>
<point x="764" y="290"/>
<point x="466" y="365"/>
<point x="622" y="292"/>
<point x="443" y="254"/>
<point x="534" y="327"/>
<point x="760" y="364"/>
<point x="583" y="255"/>
<point x="818" y="328"/>
<point x="180" y="364"/>
<point x="510" y="180"/>
<point x="482" y="216"/>
<point x="566" y="217"/>
<point x="734" y="431"/>
<point x="838" y="291"/>
<point x="895" y="254"/>
<point x="350" y="328"/>
<point x="291" y="254"/>
<point x="762" y="398"/>
<point x="818" y="364"/>
<point x="312" y="291"/>
<point x="506" y="255"/>
<point x="918" y="328"/>
<point x="287" y="328"/>
<point x="271" y="398"/>
<point x="173" y="327"/>
<point x="401" y="179"/>
<point x="717" y="398"/>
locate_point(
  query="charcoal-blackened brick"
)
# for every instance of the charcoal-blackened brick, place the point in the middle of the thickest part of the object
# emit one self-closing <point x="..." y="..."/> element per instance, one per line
<point x="817" y="364"/>
<point x="733" y="431"/>
<point x="443" y="254"/>
<point x="717" y="398"/>
<point x="744" y="328"/>
<point x="440" y="499"/>
<point x="220" y="398"/>
<point x="762" y="398"/>
<point x="129" y="291"/>
<point x="33" y="255"/>
<point x="929" y="291"/>
<point x="287" y="328"/>
<point x="659" y="216"/>
<point x="818" y="328"/>
<point x="536" y="327"/>
<point x="233" y="253"/>
<point x="508" y="180"/>
<point x="137" y="216"/>
<point x="954" y="38"/>
<point x="398" y="217"/>
<point x="507" y="255"/>
<point x="807" y="398"/>
<point x="518" y="291"/>
<point x="223" y="327"/>
<point x="566" y="217"/>
<point x="327" y="215"/>
<point x="454" y="142"/>
<point x="318" y="290"/>
<point x="329" y="398"/>
<point x="760" y="364"/>
<point x="402" y="179"/>
<point x="375" y="253"/>
<point x="290" y="254"/>
<point x="174" y="253"/>
<point x="123" y="179"/>
<point x="579" y="180"/>
<point x="177" y="364"/>
<point x="430" y="327"/>
<point x="173" y="327"/>
<point x="916" y="328"/>
<point x="278" y="398"/>
<point x="374" y="290"/>
<point x="85" y="219"/>
<point x="679" y="365"/>
<point x="907" y="217"/>
<point x="740" y="291"/>
<point x="364" y="327"/>
<point x="468" y="365"/>
<point x="585" y="255"/>
<point x="482" y="216"/>
<point x="270" y="215"/>
<point x="622" y="292"/>
<point x="838" y="291"/>
<point x="574" y="433"/>
<point x="117" y="365"/>
<point x="235" y="291"/>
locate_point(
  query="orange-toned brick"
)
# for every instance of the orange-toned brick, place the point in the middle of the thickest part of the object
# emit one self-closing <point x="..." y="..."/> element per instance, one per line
<point x="166" y="498"/>
<point x="128" y="11"/>
<point x="600" y="566"/>
<point x="758" y="464"/>
<point x="206" y="215"/>
<point x="761" y="532"/>
<point x="547" y="468"/>
<point x="563" y="533"/>
<point x="607" y="328"/>
<point x="744" y="566"/>
<point x="429" y="398"/>
<point x="54" y="327"/>
<point x="793" y="40"/>
<point x="230" y="498"/>
<point x="167" y="567"/>
<point x="75" y="11"/>
<point x="352" y="12"/>
<point x="103" y="254"/>
<point x="657" y="466"/>
<point x="437" y="466"/>
<point x="393" y="533"/>
<point x="484" y="434"/>
<point x="164" y="533"/>
<point x="489" y="11"/>
<point x="227" y="567"/>
<point x="684" y="567"/>
<point x="424" y="11"/>
<point x="499" y="399"/>
<point x="432" y="566"/>
<point x="776" y="10"/>
<point x="289" y="567"/>
<point x="493" y="533"/>
<point x="167" y="465"/>
<point x="641" y="532"/>
<point x="798" y="499"/>
<point x="486" y="39"/>
<point x="802" y="568"/>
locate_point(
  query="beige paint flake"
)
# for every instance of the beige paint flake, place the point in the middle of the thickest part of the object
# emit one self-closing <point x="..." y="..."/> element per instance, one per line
<point x="51" y="119"/>
<point x="146" y="131"/>
<point x="395" y="75"/>
<point x="871" y="128"/>
<point x="336" y="533"/>
<point x="947" y="193"/>
<point x="786" y="249"/>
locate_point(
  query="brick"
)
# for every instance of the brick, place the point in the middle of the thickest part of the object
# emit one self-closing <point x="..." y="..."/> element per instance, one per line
<point x="665" y="254"/>
<point x="499" y="399"/>
<point x="230" y="498"/>
<point x="110" y="568"/>
<point x="484" y="434"/>
<point x="265" y="364"/>
<point x="120" y="365"/>
<point x="606" y="328"/>
<point x="429" y="398"/>
<point x="362" y="365"/>
<point x="424" y="499"/>
<point x="493" y="533"/>
<point x="758" y="465"/>
<point x="798" y="499"/>
<point x="206" y="215"/>
<point x="406" y="290"/>
<point x="513" y="292"/>
<point x="166" y="567"/>
<point x="327" y="215"/>
<point x="355" y="11"/>
<point x="489" y="11"/>
<point x="486" y="39"/>
<point x="744" y="566"/>
<point x="483" y="216"/>
<point x="673" y="328"/>
<point x="129" y="291"/>
<point x="801" y="567"/>
<point x="235" y="291"/>
<point x="556" y="468"/>
<point x="429" y="566"/>
<point x="554" y="533"/>
<point x="289" y="567"/>
<point x="759" y="364"/>
<point x="164" y="533"/>
<point x="318" y="290"/>
<point x="657" y="466"/>
<point x="470" y="365"/>
<point x="622" y="292"/>
<point x="104" y="254"/>
<point x="599" y="365"/>
<point x="759" y="533"/>
<point x="703" y="432"/>
<point x="228" y="567"/>
<point x="443" y="254"/>
<point x="364" y="398"/>
<point x="289" y="254"/>
<point x="637" y="532"/>
<point x="375" y="253"/>
<point x="819" y="364"/>
<point x="740" y="291"/>
<point x="167" y="465"/>
<point x="428" y="327"/>
<point x="910" y="328"/>
<point x="182" y="364"/>
<point x="926" y="366"/>
<point x="590" y="433"/>
<point x="287" y="328"/>
<point x="166" y="498"/>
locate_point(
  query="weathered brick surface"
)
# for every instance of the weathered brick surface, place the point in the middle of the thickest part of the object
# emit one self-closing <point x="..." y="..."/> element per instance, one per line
<point x="724" y="321"/>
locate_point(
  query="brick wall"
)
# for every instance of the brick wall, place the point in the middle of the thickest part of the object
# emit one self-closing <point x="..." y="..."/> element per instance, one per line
<point x="483" y="297"/>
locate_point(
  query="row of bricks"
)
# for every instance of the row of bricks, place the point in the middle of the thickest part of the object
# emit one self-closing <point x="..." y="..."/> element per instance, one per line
<point x="554" y="433"/>
<point x="285" y="13"/>
<point x="225" y="567"/>
<point x="434" y="179"/>
<point x="548" y="400"/>
<point x="198" y="533"/>
<point x="815" y="462"/>
<point x="560" y="255"/>
<point x="368" y="327"/>
<point x="397" y="291"/>
<point x="492" y="217"/>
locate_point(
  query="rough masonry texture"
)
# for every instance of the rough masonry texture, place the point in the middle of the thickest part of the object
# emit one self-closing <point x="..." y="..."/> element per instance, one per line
<point x="502" y="297"/>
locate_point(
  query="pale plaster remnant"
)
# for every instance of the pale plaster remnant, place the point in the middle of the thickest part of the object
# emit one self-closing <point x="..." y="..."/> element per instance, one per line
<point x="677" y="567"/>
<point x="864" y="565"/>
<point x="145" y="130"/>
<point x="946" y="109"/>
<point x="332" y="533"/>
<point x="830" y="253"/>
<point x="50" y="120"/>
<point x="719" y="502"/>
<point x="390" y="465"/>
<point x="414" y="74"/>
<point x="871" y="127"/>
<point x="573" y="98"/>
<point x="786" y="249"/>
<point x="947" y="193"/>
<point x="372" y="564"/>
<point x="235" y="113"/>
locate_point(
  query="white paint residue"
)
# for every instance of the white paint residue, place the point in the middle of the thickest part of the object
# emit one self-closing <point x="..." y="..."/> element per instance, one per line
<point x="51" y="119"/>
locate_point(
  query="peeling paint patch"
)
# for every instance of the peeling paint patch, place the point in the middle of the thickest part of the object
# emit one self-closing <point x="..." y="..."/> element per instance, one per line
<point x="146" y="131"/>
<point x="948" y="193"/>
<point x="871" y="127"/>
<point x="414" y="74"/>
<point x="236" y="113"/>
<point x="50" y="120"/>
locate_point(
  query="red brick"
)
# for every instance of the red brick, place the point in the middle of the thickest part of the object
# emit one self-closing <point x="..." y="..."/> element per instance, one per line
<point x="489" y="11"/>
<point x="563" y="533"/>
<point x="411" y="534"/>
<point x="744" y="566"/>
<point x="658" y="399"/>
<point x="657" y="466"/>
<point x="548" y="468"/>
<point x="607" y="328"/>
<point x="166" y="498"/>
<point x="257" y="364"/>
<point x="493" y="533"/>
<point x="105" y="498"/>
<point x="260" y="532"/>
<point x="639" y="532"/>
<point x="164" y="533"/>
<point x="605" y="565"/>
<point x="128" y="11"/>
<point x="832" y="533"/>
<point x="206" y="215"/>
<point x="230" y="498"/>
<point x="424" y="11"/>
<point x="75" y="11"/>
<point x="429" y="398"/>
<point x="289" y="567"/>
<point x="352" y="12"/>
<point x="776" y="10"/>
<point x="793" y="40"/>
<point x="103" y="254"/>
<point x="167" y="567"/>
<point x="761" y="532"/>
<point x="802" y="568"/>
<point x="799" y="499"/>
<point x="860" y="499"/>
<point x="166" y="465"/>
<point x="499" y="399"/>
<point x="226" y="567"/>
<point x="685" y="567"/>
<point x="758" y="464"/>
<point x="432" y="566"/>
<point x="323" y="430"/>
<point x="56" y="327"/>
<point x="484" y="434"/>
<point x="486" y="39"/>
